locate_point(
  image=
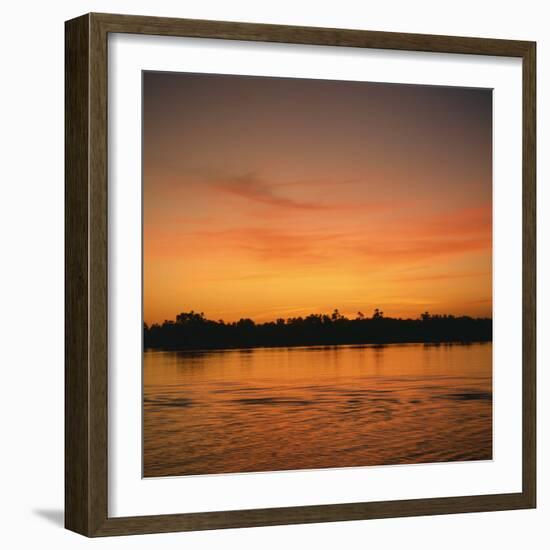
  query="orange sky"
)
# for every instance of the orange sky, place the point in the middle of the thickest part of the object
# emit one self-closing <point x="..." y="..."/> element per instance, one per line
<point x="267" y="197"/>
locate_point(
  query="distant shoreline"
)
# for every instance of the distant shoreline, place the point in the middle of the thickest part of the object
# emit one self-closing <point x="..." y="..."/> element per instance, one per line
<point x="193" y="332"/>
<point x="323" y="346"/>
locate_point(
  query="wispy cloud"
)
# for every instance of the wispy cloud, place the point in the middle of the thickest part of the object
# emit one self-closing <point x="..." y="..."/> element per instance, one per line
<point x="274" y="245"/>
<point x="463" y="221"/>
<point x="252" y="187"/>
<point x="393" y="242"/>
<point x="416" y="250"/>
<point x="438" y="277"/>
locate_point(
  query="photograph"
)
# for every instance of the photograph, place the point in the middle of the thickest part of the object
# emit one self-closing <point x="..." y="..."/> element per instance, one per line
<point x="317" y="274"/>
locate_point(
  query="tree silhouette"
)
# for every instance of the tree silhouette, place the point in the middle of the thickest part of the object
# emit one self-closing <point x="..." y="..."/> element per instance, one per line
<point x="377" y="314"/>
<point x="192" y="330"/>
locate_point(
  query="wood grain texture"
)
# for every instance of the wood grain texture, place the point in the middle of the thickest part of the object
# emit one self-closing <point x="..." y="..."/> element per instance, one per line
<point x="308" y="35"/>
<point x="529" y="274"/>
<point x="86" y="231"/>
<point x="77" y="458"/>
<point x="98" y="269"/>
<point x="310" y="514"/>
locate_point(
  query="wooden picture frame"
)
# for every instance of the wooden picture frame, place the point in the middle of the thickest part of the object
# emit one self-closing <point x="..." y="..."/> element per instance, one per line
<point x="86" y="284"/>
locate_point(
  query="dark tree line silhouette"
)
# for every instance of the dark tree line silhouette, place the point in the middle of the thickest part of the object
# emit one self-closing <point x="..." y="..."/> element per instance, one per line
<point x="193" y="331"/>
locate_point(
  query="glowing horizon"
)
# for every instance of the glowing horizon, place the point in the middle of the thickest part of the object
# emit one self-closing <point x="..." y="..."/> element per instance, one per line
<point x="274" y="197"/>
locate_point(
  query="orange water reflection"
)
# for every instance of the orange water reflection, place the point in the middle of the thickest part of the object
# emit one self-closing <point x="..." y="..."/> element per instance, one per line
<point x="320" y="407"/>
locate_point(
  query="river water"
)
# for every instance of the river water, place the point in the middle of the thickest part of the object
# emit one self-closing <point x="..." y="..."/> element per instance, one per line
<point x="315" y="407"/>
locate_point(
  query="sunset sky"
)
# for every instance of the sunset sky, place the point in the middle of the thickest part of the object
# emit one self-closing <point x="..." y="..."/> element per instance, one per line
<point x="272" y="197"/>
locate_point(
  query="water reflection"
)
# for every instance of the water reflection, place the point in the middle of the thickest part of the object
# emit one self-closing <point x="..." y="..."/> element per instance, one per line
<point x="317" y="407"/>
